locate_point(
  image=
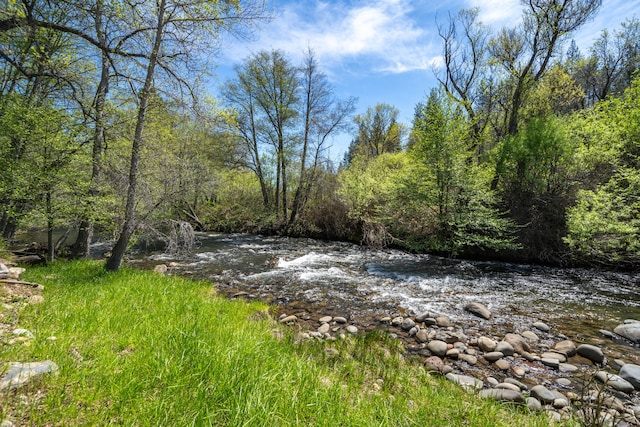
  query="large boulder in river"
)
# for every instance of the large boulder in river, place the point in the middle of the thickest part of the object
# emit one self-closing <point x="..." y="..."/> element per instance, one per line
<point x="630" y="331"/>
<point x="631" y="373"/>
<point x="478" y="309"/>
<point x="519" y="344"/>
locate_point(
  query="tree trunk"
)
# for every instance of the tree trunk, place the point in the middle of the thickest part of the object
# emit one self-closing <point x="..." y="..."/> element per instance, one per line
<point x="81" y="247"/>
<point x="117" y="254"/>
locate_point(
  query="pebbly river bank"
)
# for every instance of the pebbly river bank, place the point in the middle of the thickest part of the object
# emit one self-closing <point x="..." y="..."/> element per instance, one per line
<point x="546" y="338"/>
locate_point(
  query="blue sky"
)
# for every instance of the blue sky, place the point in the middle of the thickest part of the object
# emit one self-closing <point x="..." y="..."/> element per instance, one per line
<point x="385" y="50"/>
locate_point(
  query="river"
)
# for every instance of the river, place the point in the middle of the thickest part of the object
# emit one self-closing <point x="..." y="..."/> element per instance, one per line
<point x="363" y="284"/>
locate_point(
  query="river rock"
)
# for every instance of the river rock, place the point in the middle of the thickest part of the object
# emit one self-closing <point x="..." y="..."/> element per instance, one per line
<point x="478" y="309"/>
<point x="443" y="321"/>
<point x="340" y="320"/>
<point x="501" y="394"/>
<point x="352" y="329"/>
<point x="465" y="381"/>
<point x="324" y="328"/>
<point x="422" y="336"/>
<point x="631" y="373"/>
<point x="161" y="268"/>
<point x="630" y="331"/>
<point x="487" y="344"/>
<point x="422" y="316"/>
<point x="530" y="335"/>
<point x="542" y="393"/>
<point x="505" y="348"/>
<point x="397" y="321"/>
<point x="569" y="368"/>
<point x="517" y="383"/>
<point x="552" y="363"/>
<point x="567" y="347"/>
<point x="561" y="358"/>
<point x="493" y="356"/>
<point x="591" y="352"/>
<point x="436" y="364"/>
<point x="438" y="348"/>
<point x="4" y="272"/>
<point x="508" y="386"/>
<point x="325" y="319"/>
<point x="20" y="374"/>
<point x="289" y="319"/>
<point x="519" y="344"/>
<point x="541" y="326"/>
<point x="470" y="359"/>
<point x="502" y="364"/>
<point x="21" y="332"/>
<point x="614" y="381"/>
<point x="407" y="324"/>
<point x="533" y="404"/>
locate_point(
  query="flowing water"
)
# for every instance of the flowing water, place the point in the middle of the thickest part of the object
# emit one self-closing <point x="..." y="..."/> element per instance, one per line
<point x="341" y="279"/>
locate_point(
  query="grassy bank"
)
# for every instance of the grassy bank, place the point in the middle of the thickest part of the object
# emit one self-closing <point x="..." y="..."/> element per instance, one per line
<point x="137" y="348"/>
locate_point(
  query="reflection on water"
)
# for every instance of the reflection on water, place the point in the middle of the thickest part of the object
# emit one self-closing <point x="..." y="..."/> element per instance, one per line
<point x="348" y="279"/>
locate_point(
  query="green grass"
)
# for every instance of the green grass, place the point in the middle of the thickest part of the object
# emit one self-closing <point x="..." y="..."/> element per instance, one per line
<point x="137" y="348"/>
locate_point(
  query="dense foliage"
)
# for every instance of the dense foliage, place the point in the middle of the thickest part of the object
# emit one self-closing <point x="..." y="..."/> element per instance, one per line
<point x="527" y="149"/>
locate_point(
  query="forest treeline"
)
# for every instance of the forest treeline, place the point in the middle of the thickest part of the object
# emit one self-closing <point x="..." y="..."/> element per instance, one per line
<point x="526" y="150"/>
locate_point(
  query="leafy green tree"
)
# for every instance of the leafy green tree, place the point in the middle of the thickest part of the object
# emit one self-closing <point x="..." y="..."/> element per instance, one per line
<point x="379" y="132"/>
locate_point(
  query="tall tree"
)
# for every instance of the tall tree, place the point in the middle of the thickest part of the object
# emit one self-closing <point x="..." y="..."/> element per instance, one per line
<point x="379" y="132"/>
<point x="176" y="29"/>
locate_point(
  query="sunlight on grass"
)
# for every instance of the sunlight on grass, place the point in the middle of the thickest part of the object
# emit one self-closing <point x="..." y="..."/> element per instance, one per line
<point x="137" y="348"/>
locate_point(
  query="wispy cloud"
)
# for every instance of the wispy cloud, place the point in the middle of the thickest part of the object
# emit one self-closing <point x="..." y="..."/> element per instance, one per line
<point x="498" y="13"/>
<point x="385" y="34"/>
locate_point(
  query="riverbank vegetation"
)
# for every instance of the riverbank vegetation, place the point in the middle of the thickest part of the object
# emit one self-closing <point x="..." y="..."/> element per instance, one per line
<point x="527" y="150"/>
<point x="139" y="348"/>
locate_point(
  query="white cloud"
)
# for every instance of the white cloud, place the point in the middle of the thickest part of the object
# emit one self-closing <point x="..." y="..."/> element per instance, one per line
<point x="382" y="33"/>
<point x="498" y="13"/>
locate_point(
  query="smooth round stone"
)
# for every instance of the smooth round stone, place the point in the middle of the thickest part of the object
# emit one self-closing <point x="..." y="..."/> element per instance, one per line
<point x="479" y="310"/>
<point x="530" y="335"/>
<point x="325" y="319"/>
<point x="569" y="368"/>
<point x="518" y="343"/>
<point x="565" y="382"/>
<point x="385" y="319"/>
<point x="591" y="352"/>
<point x="542" y="393"/>
<point x="607" y="334"/>
<point x="614" y="381"/>
<point x="413" y="331"/>
<point x="487" y="344"/>
<point x="567" y="347"/>
<point x="492" y="382"/>
<point x="541" y="326"/>
<point x="407" y="324"/>
<point x="505" y="348"/>
<point x="508" y="386"/>
<point x="519" y="371"/>
<point x="503" y="395"/>
<point x="560" y="403"/>
<point x="515" y="382"/>
<point x="422" y="316"/>
<point x="443" y="322"/>
<point x="630" y="331"/>
<point x="324" y="328"/>
<point x="533" y="404"/>
<point x="397" y="321"/>
<point x="422" y="335"/>
<point x="289" y="319"/>
<point x="340" y="320"/>
<point x="552" y="363"/>
<point x="438" y="348"/>
<point x="493" y="356"/>
<point x="453" y="353"/>
<point x="352" y="329"/>
<point x="465" y="381"/>
<point x="434" y="363"/>
<point x="631" y="373"/>
<point x="502" y="364"/>
<point x="470" y="359"/>
<point x="561" y="358"/>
